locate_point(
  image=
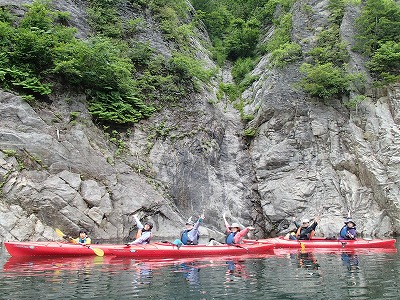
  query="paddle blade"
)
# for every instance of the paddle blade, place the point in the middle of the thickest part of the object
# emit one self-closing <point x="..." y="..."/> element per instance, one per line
<point x="59" y="232"/>
<point x="98" y="251"/>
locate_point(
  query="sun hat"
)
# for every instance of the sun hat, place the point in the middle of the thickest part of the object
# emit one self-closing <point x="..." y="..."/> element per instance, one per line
<point x="350" y="221"/>
<point x="235" y="225"/>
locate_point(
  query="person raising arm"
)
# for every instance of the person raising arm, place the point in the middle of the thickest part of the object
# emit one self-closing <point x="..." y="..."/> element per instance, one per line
<point x="144" y="233"/>
<point x="234" y="232"/>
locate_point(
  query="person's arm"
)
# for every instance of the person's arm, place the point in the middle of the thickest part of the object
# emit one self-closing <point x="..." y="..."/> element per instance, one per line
<point x="315" y="223"/>
<point x="192" y="234"/>
<point x="146" y="235"/>
<point x="241" y="234"/>
<point x="295" y="223"/>
<point x="352" y="233"/>
<point x="139" y="224"/>
<point x="343" y="231"/>
<point x="226" y="224"/>
<point x="88" y="241"/>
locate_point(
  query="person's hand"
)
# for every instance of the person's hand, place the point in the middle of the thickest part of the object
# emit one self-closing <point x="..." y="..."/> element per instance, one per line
<point x="202" y="216"/>
<point x="250" y="227"/>
<point x="317" y="219"/>
<point x="294" y="219"/>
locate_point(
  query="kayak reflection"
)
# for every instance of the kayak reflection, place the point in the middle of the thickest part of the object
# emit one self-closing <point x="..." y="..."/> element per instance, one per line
<point x="350" y="260"/>
<point x="26" y="265"/>
<point x="236" y="268"/>
<point x="306" y="260"/>
<point x="190" y="272"/>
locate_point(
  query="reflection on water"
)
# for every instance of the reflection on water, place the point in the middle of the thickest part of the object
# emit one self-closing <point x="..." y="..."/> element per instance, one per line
<point x="288" y="274"/>
<point x="306" y="260"/>
<point x="350" y="260"/>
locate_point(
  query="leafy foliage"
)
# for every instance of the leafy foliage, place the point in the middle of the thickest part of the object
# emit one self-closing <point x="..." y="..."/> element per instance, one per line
<point x="116" y="75"/>
<point x="286" y="53"/>
<point x="326" y="80"/>
<point x="326" y="75"/>
<point x="386" y="61"/>
<point x="378" y="23"/>
<point x="329" y="47"/>
<point x="379" y="37"/>
<point x="242" y="67"/>
<point x="234" y="26"/>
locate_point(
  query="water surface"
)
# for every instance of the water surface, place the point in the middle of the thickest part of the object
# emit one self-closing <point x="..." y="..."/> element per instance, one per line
<point x="282" y="275"/>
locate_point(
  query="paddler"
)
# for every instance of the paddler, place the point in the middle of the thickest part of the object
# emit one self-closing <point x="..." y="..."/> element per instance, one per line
<point x="144" y="234"/>
<point x="234" y="232"/>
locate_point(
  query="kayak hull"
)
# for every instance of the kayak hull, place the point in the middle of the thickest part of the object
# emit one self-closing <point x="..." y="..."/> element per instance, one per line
<point x="146" y="251"/>
<point x="322" y="243"/>
<point x="167" y="250"/>
<point x="52" y="249"/>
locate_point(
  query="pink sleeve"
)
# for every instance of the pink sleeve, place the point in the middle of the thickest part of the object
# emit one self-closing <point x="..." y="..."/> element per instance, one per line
<point x="240" y="235"/>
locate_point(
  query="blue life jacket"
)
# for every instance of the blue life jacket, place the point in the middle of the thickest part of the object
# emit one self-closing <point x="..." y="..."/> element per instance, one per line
<point x="185" y="239"/>
<point x="230" y="238"/>
<point x="345" y="230"/>
<point x="82" y="241"/>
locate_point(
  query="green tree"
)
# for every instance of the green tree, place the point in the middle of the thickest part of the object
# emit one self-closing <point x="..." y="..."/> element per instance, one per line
<point x="386" y="60"/>
<point x="379" y="22"/>
<point x="325" y="80"/>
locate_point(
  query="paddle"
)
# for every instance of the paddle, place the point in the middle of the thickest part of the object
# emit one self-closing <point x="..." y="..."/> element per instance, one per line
<point x="97" y="251"/>
<point x="240" y="246"/>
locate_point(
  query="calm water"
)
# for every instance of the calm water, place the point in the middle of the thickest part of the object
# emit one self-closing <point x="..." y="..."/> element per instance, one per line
<point x="284" y="275"/>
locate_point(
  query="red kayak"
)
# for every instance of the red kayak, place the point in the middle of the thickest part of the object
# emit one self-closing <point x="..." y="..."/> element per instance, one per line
<point x="55" y="249"/>
<point x="154" y="250"/>
<point x="168" y="250"/>
<point x="280" y="242"/>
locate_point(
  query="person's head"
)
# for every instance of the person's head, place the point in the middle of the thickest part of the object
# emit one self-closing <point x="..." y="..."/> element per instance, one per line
<point x="148" y="226"/>
<point x="305" y="223"/>
<point x="189" y="225"/>
<point x="82" y="233"/>
<point x="234" y="227"/>
<point x="350" y="223"/>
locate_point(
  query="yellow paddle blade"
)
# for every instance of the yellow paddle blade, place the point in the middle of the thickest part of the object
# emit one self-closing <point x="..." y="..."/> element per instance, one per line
<point x="98" y="251"/>
<point x="59" y="232"/>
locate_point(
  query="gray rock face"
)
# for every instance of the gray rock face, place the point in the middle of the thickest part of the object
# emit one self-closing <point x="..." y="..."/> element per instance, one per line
<point x="306" y="159"/>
